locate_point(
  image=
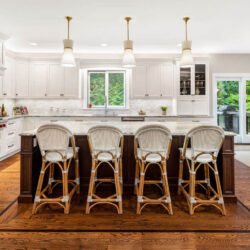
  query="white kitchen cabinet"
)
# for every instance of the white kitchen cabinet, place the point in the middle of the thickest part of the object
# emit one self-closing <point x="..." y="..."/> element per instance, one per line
<point x="21" y="79"/>
<point x="38" y="79"/>
<point x="71" y="82"/>
<point x="193" y="107"/>
<point x="153" y="80"/>
<point x="55" y="87"/>
<point x="8" y="79"/>
<point x="139" y="89"/>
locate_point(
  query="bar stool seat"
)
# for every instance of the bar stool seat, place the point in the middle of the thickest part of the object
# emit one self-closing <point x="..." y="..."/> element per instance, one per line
<point x="106" y="156"/>
<point x="203" y="158"/>
<point x="152" y="157"/>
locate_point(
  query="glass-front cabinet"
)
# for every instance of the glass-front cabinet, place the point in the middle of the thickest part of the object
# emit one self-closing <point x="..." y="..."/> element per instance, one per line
<point x="193" y="81"/>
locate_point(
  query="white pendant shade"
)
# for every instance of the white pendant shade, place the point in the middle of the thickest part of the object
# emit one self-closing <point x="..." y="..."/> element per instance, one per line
<point x="68" y="59"/>
<point x="128" y="60"/>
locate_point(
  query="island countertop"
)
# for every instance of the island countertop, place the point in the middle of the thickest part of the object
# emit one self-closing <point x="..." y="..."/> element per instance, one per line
<point x="128" y="128"/>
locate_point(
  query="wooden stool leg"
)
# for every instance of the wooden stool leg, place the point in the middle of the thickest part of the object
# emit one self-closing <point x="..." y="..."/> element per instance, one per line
<point x="207" y="178"/>
<point x="136" y="178"/>
<point x="191" y="189"/>
<point x="180" y="174"/>
<point x="166" y="187"/>
<point x="120" y="175"/>
<point x="51" y="177"/>
<point x="39" y="187"/>
<point x="118" y="187"/>
<point x="91" y="185"/>
<point x="141" y="186"/>
<point x="77" y="174"/>
<point x="65" y="187"/>
<point x="217" y="179"/>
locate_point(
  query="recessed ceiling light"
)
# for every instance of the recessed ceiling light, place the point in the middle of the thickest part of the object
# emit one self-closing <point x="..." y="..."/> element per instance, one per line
<point x="33" y="44"/>
<point x="104" y="45"/>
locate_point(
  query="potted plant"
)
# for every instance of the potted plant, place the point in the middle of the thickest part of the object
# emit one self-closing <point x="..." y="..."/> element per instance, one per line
<point x="141" y="112"/>
<point x="164" y="110"/>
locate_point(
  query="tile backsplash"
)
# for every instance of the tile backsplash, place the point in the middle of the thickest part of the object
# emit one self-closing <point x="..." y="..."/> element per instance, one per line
<point x="75" y="106"/>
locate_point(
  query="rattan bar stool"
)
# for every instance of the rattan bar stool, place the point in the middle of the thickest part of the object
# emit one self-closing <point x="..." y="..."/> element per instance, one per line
<point x="53" y="141"/>
<point x="152" y="147"/>
<point x="206" y="142"/>
<point x="106" y="146"/>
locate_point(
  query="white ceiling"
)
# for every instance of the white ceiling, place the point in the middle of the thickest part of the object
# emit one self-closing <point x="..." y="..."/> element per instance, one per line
<point x="216" y="26"/>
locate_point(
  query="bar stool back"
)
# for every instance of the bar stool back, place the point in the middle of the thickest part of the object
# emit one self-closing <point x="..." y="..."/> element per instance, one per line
<point x="106" y="146"/>
<point x="53" y="141"/>
<point x="206" y="142"/>
<point x="152" y="146"/>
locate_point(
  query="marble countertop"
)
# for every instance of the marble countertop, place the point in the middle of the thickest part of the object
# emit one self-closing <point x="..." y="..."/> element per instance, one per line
<point x="109" y="115"/>
<point x="128" y="128"/>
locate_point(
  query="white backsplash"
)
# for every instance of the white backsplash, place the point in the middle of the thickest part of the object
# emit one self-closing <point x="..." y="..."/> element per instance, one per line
<point x="73" y="106"/>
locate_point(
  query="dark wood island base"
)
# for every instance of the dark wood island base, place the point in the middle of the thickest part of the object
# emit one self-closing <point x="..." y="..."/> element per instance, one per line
<point x="31" y="165"/>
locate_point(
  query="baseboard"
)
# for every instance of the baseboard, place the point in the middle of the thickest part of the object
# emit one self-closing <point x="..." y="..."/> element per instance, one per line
<point x="9" y="155"/>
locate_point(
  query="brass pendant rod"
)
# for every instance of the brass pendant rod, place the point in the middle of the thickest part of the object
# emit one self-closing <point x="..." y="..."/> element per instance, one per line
<point x="127" y="19"/>
<point x="186" y="19"/>
<point x="68" y="18"/>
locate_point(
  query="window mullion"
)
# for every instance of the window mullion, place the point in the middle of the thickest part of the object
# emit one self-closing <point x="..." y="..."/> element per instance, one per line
<point x="107" y="87"/>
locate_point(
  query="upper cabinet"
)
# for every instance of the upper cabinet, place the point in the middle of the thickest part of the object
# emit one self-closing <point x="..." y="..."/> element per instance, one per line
<point x="193" y="82"/>
<point x="48" y="79"/>
<point x="38" y="79"/>
<point x="153" y="80"/>
<point x="7" y="80"/>
<point x="21" y="79"/>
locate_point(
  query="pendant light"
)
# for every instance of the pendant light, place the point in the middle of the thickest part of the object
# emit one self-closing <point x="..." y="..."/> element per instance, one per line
<point x="186" y="58"/>
<point x="128" y="60"/>
<point x="68" y="59"/>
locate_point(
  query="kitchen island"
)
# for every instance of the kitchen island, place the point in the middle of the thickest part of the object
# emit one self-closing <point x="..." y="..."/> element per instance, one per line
<point x="31" y="157"/>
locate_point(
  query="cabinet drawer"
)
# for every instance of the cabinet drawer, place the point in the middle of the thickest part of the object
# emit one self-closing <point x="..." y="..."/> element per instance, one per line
<point x="10" y="147"/>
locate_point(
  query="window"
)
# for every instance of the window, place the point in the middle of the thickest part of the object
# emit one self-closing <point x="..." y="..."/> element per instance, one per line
<point x="106" y="88"/>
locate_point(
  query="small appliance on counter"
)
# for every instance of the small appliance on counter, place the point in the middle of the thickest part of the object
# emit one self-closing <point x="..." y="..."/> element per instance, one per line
<point x="20" y="110"/>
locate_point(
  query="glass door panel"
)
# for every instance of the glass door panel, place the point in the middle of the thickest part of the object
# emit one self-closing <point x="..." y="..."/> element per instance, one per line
<point x="246" y="109"/>
<point x="200" y="79"/>
<point x="185" y="81"/>
<point x="228" y="105"/>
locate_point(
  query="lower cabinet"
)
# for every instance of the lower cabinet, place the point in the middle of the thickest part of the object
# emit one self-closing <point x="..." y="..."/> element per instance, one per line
<point x="10" y="141"/>
<point x="193" y="107"/>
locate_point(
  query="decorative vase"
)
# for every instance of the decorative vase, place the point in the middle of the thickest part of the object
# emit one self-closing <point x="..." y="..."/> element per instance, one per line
<point x="164" y="112"/>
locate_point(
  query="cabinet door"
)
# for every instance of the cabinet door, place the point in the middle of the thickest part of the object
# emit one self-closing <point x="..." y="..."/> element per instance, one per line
<point x="200" y="107"/>
<point x="55" y="87"/>
<point x="1" y="85"/>
<point x="71" y="82"/>
<point x="154" y="80"/>
<point x="167" y="80"/>
<point x="139" y="82"/>
<point x="22" y="79"/>
<point x="8" y="79"/>
<point x="38" y="79"/>
<point x="185" y="107"/>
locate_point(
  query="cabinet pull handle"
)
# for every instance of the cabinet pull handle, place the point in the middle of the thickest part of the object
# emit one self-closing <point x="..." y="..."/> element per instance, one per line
<point x="12" y="133"/>
<point x="53" y="120"/>
<point x="146" y="94"/>
<point x="11" y="123"/>
<point x="10" y="146"/>
<point x="61" y="94"/>
<point x="16" y="94"/>
<point x="45" y="94"/>
<point x="4" y="93"/>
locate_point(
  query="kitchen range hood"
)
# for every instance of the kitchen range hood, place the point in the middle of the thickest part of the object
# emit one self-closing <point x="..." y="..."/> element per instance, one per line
<point x="3" y="38"/>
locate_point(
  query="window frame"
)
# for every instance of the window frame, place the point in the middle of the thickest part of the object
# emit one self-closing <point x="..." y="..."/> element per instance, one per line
<point x="107" y="72"/>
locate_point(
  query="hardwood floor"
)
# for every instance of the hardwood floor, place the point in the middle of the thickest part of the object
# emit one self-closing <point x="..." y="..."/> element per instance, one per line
<point x="9" y="181"/>
<point x="154" y="229"/>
